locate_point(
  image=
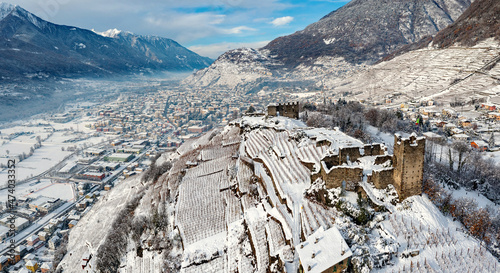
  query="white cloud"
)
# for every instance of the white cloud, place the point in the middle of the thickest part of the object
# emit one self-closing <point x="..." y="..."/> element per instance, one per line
<point x="282" y="21"/>
<point x="238" y="30"/>
<point x="215" y="50"/>
<point x="185" y="27"/>
<point x="178" y="20"/>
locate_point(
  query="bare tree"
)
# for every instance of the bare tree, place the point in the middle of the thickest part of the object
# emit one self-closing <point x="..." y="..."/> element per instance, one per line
<point x="461" y="148"/>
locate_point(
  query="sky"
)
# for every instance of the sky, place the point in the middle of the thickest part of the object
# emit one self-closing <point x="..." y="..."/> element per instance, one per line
<point x="208" y="27"/>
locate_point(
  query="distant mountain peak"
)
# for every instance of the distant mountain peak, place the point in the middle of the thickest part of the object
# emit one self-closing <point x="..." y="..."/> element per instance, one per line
<point x="6" y="9"/>
<point x="110" y="33"/>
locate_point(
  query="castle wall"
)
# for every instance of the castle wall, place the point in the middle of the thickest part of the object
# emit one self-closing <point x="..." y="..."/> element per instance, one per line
<point x="373" y="149"/>
<point x="334" y="178"/>
<point x="406" y="173"/>
<point x="272" y="110"/>
<point x="382" y="178"/>
<point x="350" y="152"/>
<point x="331" y="160"/>
<point x="381" y="159"/>
<point x="289" y="110"/>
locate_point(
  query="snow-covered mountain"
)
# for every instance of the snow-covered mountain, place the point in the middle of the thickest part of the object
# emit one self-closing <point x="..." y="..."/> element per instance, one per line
<point x="32" y="47"/>
<point x="358" y="34"/>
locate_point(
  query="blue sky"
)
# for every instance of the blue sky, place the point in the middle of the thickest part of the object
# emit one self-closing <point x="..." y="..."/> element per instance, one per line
<point x="208" y="27"/>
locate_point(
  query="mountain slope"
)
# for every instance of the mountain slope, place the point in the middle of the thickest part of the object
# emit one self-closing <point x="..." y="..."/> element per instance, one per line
<point x="479" y="22"/>
<point x="460" y="63"/>
<point x="365" y="30"/>
<point x="358" y="34"/>
<point x="30" y="46"/>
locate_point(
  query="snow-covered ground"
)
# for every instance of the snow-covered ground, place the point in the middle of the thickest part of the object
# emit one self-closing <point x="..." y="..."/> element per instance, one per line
<point x="45" y="187"/>
<point x="417" y="225"/>
<point x="91" y="230"/>
<point x="237" y="207"/>
<point x="54" y="146"/>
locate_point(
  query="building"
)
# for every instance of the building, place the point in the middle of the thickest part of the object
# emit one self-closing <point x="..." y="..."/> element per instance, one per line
<point x="119" y="157"/>
<point x="42" y="235"/>
<point x="479" y="145"/>
<point x="46" y="267"/>
<point x="68" y="168"/>
<point x="433" y="136"/>
<point x="45" y="204"/>
<point x="324" y="251"/>
<point x="4" y="262"/>
<point x="72" y="223"/>
<point x="408" y="163"/>
<point x="196" y="129"/>
<point x="94" y="152"/>
<point x="92" y="176"/>
<point x="32" y="265"/>
<point x="54" y="242"/>
<point x="19" y="222"/>
<point x="32" y="240"/>
<point x="290" y="110"/>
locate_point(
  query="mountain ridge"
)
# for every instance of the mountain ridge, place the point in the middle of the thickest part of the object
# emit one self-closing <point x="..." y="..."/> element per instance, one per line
<point x="31" y="46"/>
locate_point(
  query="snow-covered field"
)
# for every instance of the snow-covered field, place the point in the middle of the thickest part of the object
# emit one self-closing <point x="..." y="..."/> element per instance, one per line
<point x="45" y="187"/>
<point x="54" y="146"/>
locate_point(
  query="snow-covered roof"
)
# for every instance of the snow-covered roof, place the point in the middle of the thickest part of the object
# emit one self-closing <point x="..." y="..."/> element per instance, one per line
<point x="481" y="143"/>
<point x="329" y="248"/>
<point x="31" y="263"/>
<point x="337" y="138"/>
<point x="432" y="135"/>
<point x="46" y="266"/>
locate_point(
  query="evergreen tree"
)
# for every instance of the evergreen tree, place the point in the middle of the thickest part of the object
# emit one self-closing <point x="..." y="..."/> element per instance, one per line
<point x="491" y="142"/>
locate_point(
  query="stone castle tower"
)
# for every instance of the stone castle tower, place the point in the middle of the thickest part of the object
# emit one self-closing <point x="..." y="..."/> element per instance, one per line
<point x="408" y="163"/>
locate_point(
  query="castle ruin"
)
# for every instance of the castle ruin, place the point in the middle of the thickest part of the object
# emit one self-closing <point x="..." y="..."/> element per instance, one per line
<point x="370" y="163"/>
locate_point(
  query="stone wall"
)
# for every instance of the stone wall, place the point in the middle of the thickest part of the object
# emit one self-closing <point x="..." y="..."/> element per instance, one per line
<point x="406" y="173"/>
<point x="381" y="159"/>
<point x="351" y="153"/>
<point x="272" y="110"/>
<point x="373" y="149"/>
<point x="331" y="160"/>
<point x="334" y="178"/>
<point x="382" y="178"/>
